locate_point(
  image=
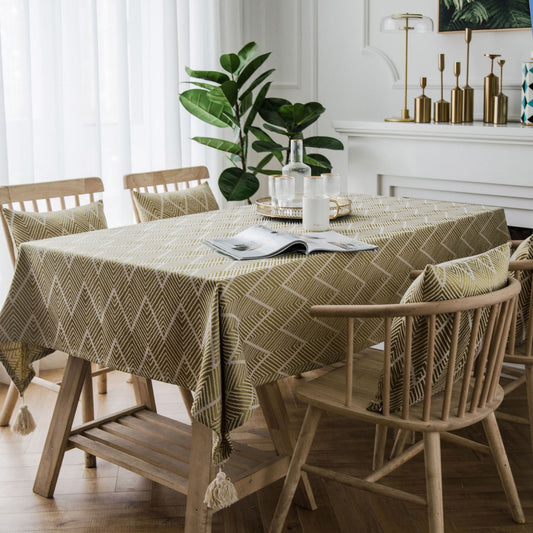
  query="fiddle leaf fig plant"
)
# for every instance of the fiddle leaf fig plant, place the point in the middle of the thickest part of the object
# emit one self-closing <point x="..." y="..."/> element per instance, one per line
<point x="226" y="100"/>
<point x="290" y="120"/>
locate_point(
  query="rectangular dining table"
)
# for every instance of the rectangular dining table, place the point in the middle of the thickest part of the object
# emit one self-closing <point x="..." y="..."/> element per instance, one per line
<point x="153" y="300"/>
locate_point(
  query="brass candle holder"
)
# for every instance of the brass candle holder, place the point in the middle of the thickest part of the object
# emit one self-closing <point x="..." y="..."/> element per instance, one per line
<point x="423" y="105"/>
<point x="457" y="96"/>
<point x="468" y="92"/>
<point x="491" y="89"/>
<point x="501" y="100"/>
<point x="441" y="108"/>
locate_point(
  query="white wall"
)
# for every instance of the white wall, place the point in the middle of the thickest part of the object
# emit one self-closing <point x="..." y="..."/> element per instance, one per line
<point x="333" y="51"/>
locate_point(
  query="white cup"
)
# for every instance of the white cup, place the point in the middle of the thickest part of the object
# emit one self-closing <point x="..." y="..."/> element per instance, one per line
<point x="315" y="213"/>
<point x="315" y="204"/>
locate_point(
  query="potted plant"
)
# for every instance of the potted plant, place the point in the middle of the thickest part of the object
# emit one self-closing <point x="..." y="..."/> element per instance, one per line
<point x="226" y="100"/>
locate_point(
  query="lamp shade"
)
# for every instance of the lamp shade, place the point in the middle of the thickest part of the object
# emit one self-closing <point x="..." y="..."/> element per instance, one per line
<point x="418" y="23"/>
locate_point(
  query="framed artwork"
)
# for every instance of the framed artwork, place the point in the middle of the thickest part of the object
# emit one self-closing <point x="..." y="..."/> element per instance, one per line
<point x="456" y="15"/>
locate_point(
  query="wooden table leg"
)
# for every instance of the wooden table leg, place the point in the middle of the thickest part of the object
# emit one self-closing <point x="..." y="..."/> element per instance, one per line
<point x="277" y="419"/>
<point x="9" y="404"/>
<point x="197" y="516"/>
<point x="60" y="426"/>
<point x="144" y="392"/>
<point x="87" y="412"/>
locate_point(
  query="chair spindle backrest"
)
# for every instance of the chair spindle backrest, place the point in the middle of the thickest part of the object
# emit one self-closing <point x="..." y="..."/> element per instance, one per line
<point x="466" y="392"/>
<point x="523" y="270"/>
<point x="164" y="181"/>
<point x="37" y="194"/>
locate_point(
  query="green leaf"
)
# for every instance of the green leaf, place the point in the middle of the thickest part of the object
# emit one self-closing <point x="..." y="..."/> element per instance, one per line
<point x="300" y="116"/>
<point x="198" y="104"/>
<point x="230" y="62"/>
<point x="329" y="143"/>
<point x="264" y="161"/>
<point x="256" y="82"/>
<point x="207" y="86"/>
<point x="256" y="106"/>
<point x="217" y="95"/>
<point x="265" y="171"/>
<point x="219" y="144"/>
<point x="263" y="136"/>
<point x="246" y="103"/>
<point x="318" y="163"/>
<point x="269" y="111"/>
<point x="229" y="88"/>
<point x="236" y="184"/>
<point x="250" y="68"/>
<point x="228" y="115"/>
<point x="209" y="75"/>
<point x="276" y="130"/>
<point x="267" y="146"/>
<point x="247" y="51"/>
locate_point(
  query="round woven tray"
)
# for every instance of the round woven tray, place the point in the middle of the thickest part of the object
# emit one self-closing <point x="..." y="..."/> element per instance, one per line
<point x="265" y="208"/>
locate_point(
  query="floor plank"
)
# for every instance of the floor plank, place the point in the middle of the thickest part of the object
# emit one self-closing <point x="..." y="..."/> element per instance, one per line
<point x="112" y="499"/>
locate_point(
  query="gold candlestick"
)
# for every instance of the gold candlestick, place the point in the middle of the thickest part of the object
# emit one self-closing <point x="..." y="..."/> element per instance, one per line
<point x="457" y="96"/>
<point x="468" y="92"/>
<point x="423" y="105"/>
<point x="441" y="108"/>
<point x="491" y="89"/>
<point x="500" y="100"/>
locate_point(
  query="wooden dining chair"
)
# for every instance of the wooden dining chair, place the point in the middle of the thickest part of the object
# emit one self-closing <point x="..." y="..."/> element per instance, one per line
<point x="46" y="197"/>
<point x="479" y="326"/>
<point x="518" y="360"/>
<point x="164" y="181"/>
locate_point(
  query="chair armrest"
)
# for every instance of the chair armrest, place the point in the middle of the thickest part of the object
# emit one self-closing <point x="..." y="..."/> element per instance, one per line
<point x="524" y="264"/>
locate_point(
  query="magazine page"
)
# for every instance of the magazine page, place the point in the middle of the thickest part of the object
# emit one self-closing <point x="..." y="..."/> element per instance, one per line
<point x="331" y="241"/>
<point x="256" y="242"/>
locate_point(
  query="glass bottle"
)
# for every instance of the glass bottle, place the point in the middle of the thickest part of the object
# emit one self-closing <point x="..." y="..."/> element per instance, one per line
<point x="297" y="168"/>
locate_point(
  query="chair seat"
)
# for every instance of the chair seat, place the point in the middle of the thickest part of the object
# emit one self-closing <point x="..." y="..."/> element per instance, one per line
<point x="328" y="393"/>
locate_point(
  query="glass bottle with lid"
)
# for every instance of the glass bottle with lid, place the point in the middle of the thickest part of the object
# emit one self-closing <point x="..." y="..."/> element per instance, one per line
<point x="297" y="168"/>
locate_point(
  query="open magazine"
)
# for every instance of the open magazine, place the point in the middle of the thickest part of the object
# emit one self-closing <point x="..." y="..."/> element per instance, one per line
<point x="258" y="242"/>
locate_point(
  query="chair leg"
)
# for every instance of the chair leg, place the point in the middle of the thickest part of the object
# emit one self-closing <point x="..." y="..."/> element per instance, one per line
<point x="380" y="441"/>
<point x="9" y="404"/>
<point x="400" y="441"/>
<point x="101" y="381"/>
<point x="504" y="470"/>
<point x="301" y="451"/>
<point x="432" y="462"/>
<point x="529" y="390"/>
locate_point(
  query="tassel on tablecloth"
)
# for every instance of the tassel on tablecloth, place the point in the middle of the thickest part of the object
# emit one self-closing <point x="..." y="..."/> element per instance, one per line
<point x="24" y="423"/>
<point x="220" y="492"/>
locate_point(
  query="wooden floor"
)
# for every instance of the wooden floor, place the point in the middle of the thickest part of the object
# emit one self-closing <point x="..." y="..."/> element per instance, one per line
<point x="112" y="499"/>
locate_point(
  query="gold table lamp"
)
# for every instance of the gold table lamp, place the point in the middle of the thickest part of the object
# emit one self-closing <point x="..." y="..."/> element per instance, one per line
<point x="405" y="22"/>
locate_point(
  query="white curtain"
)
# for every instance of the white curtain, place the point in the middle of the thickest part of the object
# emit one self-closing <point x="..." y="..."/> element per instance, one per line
<point x="90" y="88"/>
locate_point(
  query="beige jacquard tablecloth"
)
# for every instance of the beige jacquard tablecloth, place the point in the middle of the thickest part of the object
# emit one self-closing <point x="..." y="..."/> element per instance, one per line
<point x="153" y="300"/>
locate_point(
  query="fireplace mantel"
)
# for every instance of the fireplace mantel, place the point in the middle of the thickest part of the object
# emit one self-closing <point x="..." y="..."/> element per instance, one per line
<point x="475" y="163"/>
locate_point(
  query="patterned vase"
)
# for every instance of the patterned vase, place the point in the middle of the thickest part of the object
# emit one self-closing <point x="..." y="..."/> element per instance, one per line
<point x="526" y="116"/>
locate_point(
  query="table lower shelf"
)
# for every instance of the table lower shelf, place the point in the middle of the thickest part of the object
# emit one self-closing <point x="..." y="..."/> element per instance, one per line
<point x="159" y="448"/>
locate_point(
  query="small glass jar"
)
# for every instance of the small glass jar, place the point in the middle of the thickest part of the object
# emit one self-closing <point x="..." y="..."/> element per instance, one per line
<point x="285" y="189"/>
<point x="333" y="184"/>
